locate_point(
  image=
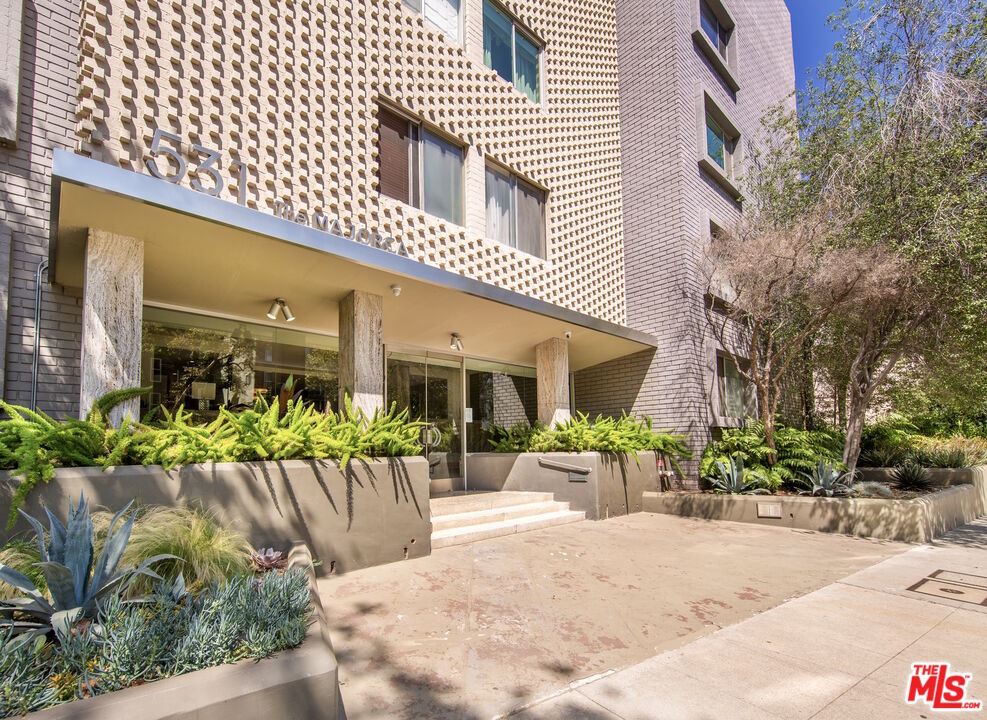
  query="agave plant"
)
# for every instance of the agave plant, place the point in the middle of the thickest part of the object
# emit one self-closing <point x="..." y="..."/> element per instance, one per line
<point x="77" y="581"/>
<point x="266" y="559"/>
<point x="827" y="481"/>
<point x="731" y="481"/>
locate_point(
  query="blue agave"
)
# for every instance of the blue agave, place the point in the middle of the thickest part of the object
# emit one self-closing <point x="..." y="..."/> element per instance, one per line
<point x="731" y="479"/>
<point x="77" y="581"/>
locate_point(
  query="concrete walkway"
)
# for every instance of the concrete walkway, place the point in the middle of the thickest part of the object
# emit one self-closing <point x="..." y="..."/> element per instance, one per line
<point x="842" y="652"/>
<point x="479" y="630"/>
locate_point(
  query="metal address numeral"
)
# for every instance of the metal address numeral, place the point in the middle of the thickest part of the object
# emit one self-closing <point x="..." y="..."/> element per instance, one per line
<point x="207" y="166"/>
<point x="210" y="166"/>
<point x="176" y="156"/>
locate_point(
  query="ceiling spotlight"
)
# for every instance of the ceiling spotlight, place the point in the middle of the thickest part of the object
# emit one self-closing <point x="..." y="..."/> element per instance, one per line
<point x="455" y="342"/>
<point x="281" y="305"/>
<point x="396" y="289"/>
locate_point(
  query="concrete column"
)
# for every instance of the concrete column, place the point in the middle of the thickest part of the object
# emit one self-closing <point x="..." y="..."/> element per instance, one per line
<point x="361" y="351"/>
<point x="112" y="303"/>
<point x="552" y="359"/>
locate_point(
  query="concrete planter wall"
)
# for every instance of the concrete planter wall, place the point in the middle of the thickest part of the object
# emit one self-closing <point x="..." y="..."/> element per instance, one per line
<point x="296" y="684"/>
<point x="601" y="484"/>
<point x="373" y="513"/>
<point x="919" y="520"/>
<point x="939" y="477"/>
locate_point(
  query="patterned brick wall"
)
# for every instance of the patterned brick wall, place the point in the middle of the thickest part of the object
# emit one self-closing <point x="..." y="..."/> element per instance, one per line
<point x="668" y="200"/>
<point x="292" y="88"/>
<point x="46" y="107"/>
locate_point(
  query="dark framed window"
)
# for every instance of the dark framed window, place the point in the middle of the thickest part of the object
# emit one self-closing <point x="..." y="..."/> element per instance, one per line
<point x="515" y="212"/>
<point x="718" y="35"/>
<point x="716" y="142"/>
<point x="737" y="398"/>
<point x="419" y="167"/>
<point x="511" y="51"/>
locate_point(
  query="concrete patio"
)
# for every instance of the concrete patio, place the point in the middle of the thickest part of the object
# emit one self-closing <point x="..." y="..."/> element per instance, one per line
<point x="484" y="629"/>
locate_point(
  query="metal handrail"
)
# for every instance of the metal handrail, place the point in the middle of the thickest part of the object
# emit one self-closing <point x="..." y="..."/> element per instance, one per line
<point x="565" y="467"/>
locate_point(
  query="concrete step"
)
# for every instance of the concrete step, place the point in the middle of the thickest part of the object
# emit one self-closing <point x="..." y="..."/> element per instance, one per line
<point x="485" y="531"/>
<point x="496" y="514"/>
<point x="456" y="503"/>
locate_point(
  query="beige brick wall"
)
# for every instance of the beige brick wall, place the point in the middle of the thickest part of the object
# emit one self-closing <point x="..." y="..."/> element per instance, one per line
<point x="292" y="88"/>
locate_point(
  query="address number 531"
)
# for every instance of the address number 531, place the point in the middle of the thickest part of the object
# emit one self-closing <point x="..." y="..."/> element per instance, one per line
<point x="208" y="163"/>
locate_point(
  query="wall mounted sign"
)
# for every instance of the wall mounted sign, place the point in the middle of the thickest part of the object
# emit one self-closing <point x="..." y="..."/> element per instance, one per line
<point x="210" y="165"/>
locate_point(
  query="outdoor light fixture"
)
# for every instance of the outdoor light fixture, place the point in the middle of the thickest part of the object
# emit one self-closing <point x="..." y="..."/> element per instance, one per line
<point x="456" y="342"/>
<point x="396" y="289"/>
<point x="281" y="305"/>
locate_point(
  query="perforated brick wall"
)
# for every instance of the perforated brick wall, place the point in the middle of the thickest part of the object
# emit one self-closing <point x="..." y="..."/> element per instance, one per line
<point x="292" y="89"/>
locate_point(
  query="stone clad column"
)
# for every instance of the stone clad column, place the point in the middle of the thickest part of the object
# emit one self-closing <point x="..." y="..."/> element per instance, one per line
<point x="361" y="351"/>
<point x="552" y="359"/>
<point x="112" y="305"/>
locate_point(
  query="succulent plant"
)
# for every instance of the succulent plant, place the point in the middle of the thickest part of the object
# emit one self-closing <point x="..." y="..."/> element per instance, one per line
<point x="911" y="476"/>
<point x="871" y="490"/>
<point x="827" y="481"/>
<point x="266" y="559"/>
<point x="731" y="479"/>
<point x="77" y="581"/>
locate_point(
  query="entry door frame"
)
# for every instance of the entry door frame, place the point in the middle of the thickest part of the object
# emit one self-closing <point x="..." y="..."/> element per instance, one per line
<point x="438" y="355"/>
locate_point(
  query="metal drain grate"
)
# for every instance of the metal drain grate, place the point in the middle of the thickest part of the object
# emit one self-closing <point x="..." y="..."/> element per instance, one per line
<point x="952" y="585"/>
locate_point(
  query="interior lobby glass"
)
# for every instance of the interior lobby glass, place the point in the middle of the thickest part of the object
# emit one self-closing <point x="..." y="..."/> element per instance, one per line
<point x="431" y="388"/>
<point x="203" y="362"/>
<point x="497" y="394"/>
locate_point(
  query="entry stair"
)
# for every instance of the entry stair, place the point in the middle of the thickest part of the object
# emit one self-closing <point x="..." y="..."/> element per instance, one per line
<point x="459" y="518"/>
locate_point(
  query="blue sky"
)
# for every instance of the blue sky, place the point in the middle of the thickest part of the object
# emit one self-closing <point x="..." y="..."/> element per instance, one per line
<point x="811" y="36"/>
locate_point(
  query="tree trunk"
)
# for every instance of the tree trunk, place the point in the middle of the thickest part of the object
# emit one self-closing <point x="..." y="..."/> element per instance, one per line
<point x="840" y="391"/>
<point x="768" y="420"/>
<point x="854" y="431"/>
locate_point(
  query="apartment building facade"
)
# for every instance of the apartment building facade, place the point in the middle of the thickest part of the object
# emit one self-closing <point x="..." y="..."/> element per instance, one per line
<point x="485" y="211"/>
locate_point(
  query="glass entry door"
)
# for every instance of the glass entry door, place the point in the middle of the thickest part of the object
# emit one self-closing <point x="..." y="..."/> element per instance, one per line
<point x="431" y="387"/>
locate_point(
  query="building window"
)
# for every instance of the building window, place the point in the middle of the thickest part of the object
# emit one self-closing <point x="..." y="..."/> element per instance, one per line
<point x="715" y="34"/>
<point x="718" y="35"/>
<point x="511" y="52"/>
<point x="203" y="363"/>
<point x="717" y="143"/>
<point x="418" y="167"/>
<point x="737" y="398"/>
<point x="515" y="212"/>
<point x="444" y="14"/>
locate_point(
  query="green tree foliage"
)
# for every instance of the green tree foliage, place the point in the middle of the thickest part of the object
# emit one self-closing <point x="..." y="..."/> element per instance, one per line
<point x="897" y="124"/>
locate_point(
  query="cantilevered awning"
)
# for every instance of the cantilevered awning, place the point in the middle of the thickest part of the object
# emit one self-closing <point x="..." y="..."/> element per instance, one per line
<point x="204" y="253"/>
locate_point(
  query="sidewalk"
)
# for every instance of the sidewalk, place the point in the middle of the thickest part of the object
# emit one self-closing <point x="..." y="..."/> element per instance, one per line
<point x="841" y="652"/>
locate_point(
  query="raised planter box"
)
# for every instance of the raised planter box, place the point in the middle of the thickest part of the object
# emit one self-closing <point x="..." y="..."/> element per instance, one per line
<point x="296" y="684"/>
<point x="373" y="513"/>
<point x="600" y="484"/>
<point x="939" y="477"/>
<point x="919" y="520"/>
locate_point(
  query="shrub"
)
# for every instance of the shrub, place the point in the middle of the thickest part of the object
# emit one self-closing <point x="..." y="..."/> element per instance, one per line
<point x="77" y="579"/>
<point x="604" y="434"/>
<point x="797" y="452"/>
<point x="871" y="490"/>
<point x="204" y="552"/>
<point x="167" y="634"/>
<point x="911" y="477"/>
<point x="33" y="444"/>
